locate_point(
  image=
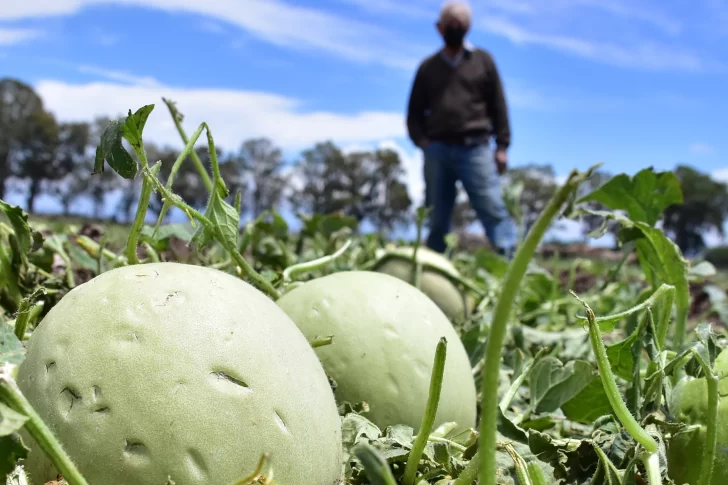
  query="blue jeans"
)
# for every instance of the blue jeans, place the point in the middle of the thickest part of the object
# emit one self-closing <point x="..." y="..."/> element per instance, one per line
<point x="475" y="167"/>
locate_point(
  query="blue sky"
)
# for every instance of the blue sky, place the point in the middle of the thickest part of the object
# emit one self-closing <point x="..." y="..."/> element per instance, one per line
<point x="631" y="84"/>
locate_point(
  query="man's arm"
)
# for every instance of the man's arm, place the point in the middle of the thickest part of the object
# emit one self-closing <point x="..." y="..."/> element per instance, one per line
<point x="416" y="110"/>
<point x="498" y="108"/>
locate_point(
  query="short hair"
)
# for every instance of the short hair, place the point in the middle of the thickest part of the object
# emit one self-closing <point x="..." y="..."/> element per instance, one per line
<point x="457" y="10"/>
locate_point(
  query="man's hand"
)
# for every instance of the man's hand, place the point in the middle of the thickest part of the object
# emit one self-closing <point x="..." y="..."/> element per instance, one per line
<point x="501" y="160"/>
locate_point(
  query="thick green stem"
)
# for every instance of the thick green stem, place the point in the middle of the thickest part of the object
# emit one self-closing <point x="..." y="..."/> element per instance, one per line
<point x="652" y="466"/>
<point x="433" y="399"/>
<point x="141" y="213"/>
<point x="469" y="473"/>
<point x="315" y="264"/>
<point x="153" y="256"/>
<point x="501" y="315"/>
<point x="263" y="284"/>
<point x="25" y="317"/>
<point x="11" y="395"/>
<point x="136" y="227"/>
<point x="711" y="426"/>
<point x="610" y="385"/>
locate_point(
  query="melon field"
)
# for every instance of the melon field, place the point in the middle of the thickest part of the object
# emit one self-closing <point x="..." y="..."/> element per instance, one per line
<point x="215" y="353"/>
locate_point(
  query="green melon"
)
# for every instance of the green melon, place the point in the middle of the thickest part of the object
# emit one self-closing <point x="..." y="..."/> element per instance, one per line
<point x="440" y="287"/>
<point x="167" y="369"/>
<point x="689" y="404"/>
<point x="385" y="335"/>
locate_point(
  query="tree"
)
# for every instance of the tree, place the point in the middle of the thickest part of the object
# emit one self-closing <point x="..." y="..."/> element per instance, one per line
<point x="74" y="155"/>
<point x="317" y="171"/>
<point x="386" y="199"/>
<point x="37" y="156"/>
<point x="365" y="184"/>
<point x="539" y="186"/>
<point x="263" y="162"/>
<point x="704" y="207"/>
<point x="18" y="101"/>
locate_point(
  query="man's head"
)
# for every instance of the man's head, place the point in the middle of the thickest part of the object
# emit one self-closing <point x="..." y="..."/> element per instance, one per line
<point x="454" y="22"/>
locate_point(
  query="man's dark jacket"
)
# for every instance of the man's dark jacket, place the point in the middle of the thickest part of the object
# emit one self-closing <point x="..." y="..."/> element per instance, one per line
<point x="447" y="102"/>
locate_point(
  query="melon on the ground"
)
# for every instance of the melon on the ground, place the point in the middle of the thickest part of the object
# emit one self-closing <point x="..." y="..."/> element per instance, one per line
<point x="171" y="370"/>
<point x="442" y="289"/>
<point x="385" y="334"/>
<point x="689" y="405"/>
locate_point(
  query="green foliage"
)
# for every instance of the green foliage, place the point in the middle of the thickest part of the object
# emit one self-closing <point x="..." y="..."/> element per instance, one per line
<point x="643" y="197"/>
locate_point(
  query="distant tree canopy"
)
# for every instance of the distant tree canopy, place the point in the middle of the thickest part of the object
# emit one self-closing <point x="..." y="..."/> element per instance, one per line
<point x="704" y="208"/>
<point x="40" y="155"/>
<point x="366" y="185"/>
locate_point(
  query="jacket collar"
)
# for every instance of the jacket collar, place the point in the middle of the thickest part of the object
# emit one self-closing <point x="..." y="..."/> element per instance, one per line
<point x="468" y="48"/>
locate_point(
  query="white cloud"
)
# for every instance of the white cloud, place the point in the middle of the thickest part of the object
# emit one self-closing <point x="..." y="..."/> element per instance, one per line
<point x="721" y="175"/>
<point x="645" y="55"/>
<point x="11" y="36"/>
<point x="212" y="27"/>
<point x="118" y="76"/>
<point x="571" y="26"/>
<point x="273" y="21"/>
<point x="231" y="114"/>
<point x="702" y="148"/>
<point x="649" y="14"/>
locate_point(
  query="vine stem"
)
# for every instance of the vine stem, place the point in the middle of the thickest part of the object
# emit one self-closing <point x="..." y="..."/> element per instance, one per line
<point x="176" y="117"/>
<point x="315" y="264"/>
<point x="14" y="398"/>
<point x="652" y="465"/>
<point x="188" y="149"/>
<point x="664" y="289"/>
<point x="470" y="472"/>
<point x="141" y="213"/>
<point x="711" y="431"/>
<point x="610" y="384"/>
<point x="428" y="420"/>
<point x="511" y="284"/>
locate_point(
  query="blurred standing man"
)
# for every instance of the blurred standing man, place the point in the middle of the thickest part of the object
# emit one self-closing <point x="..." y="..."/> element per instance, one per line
<point x="456" y="104"/>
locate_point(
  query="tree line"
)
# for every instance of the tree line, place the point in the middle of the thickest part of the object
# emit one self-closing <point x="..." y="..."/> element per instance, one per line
<point x="42" y="155"/>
